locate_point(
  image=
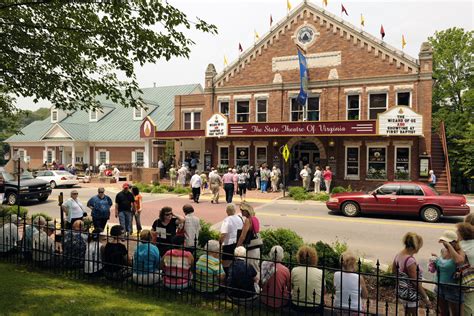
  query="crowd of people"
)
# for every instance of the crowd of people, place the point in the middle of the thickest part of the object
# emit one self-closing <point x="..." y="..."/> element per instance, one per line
<point x="234" y="264"/>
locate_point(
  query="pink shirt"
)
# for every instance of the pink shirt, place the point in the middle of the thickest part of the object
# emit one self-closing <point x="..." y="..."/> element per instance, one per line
<point x="255" y="224"/>
<point x="228" y="178"/>
<point x="327" y="175"/>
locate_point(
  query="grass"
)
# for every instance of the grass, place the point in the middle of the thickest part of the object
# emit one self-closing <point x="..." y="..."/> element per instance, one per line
<point x="26" y="292"/>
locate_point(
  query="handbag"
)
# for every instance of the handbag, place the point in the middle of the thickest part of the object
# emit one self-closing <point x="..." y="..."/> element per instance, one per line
<point x="406" y="290"/>
<point x="465" y="276"/>
<point x="180" y="237"/>
<point x="252" y="239"/>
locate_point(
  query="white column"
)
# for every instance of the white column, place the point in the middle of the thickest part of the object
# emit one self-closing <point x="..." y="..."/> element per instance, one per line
<point x="46" y="151"/>
<point x="87" y="154"/>
<point x="73" y="155"/>
<point x="146" y="155"/>
<point x="63" y="157"/>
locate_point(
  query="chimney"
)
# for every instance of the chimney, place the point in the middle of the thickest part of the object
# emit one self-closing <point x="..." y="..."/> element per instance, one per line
<point x="154" y="84"/>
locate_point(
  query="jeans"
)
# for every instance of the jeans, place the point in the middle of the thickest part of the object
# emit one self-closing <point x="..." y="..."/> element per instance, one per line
<point x="196" y="194"/>
<point x="99" y="223"/>
<point x="125" y="219"/>
<point x="263" y="185"/>
<point x="229" y="192"/>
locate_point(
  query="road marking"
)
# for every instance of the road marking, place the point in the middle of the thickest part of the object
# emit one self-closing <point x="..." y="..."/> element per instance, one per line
<point x="354" y="220"/>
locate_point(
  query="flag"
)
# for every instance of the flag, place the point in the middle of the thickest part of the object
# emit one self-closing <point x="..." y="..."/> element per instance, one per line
<point x="382" y="31"/>
<point x="362" y="21"/>
<point x="404" y="43"/>
<point x="325" y="3"/>
<point x="225" y="61"/>
<point x="343" y="10"/>
<point x="271" y="20"/>
<point x="256" y="35"/>
<point x="240" y="48"/>
<point x="288" y="5"/>
<point x="303" y="95"/>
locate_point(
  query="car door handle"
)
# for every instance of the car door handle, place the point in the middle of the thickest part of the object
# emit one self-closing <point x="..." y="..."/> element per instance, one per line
<point x="393" y="199"/>
<point x="421" y="200"/>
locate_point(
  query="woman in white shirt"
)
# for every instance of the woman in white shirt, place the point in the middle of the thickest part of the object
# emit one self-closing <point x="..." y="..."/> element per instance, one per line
<point x="350" y="287"/>
<point x="73" y="209"/>
<point x="317" y="180"/>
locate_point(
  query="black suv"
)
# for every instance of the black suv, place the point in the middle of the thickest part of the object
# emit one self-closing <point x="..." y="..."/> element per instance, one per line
<point x="30" y="188"/>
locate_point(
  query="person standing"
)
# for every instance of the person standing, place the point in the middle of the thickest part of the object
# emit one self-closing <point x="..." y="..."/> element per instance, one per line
<point x="317" y="180"/>
<point x="327" y="175"/>
<point x="100" y="205"/>
<point x="264" y="177"/>
<point x="242" y="179"/>
<point x="182" y="172"/>
<point x="215" y="183"/>
<point x="257" y="174"/>
<point x="173" y="175"/>
<point x="124" y="208"/>
<point x="116" y="174"/>
<point x="203" y="181"/>
<point x="235" y="180"/>
<point x="432" y="179"/>
<point x="73" y="209"/>
<point x="102" y="169"/>
<point x="251" y="178"/>
<point x="138" y="207"/>
<point x="191" y="225"/>
<point x="228" y="238"/>
<point x="304" y="177"/>
<point x="228" y="180"/>
<point x="196" y="183"/>
<point x="274" y="179"/>
<point x="161" y="168"/>
<point x="308" y="168"/>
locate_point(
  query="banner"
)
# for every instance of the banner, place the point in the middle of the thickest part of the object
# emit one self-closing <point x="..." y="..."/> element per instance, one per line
<point x="303" y="95"/>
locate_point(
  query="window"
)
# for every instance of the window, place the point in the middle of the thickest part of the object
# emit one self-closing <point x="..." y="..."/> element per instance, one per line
<point x="352" y="162"/>
<point x="377" y="104"/>
<point x="49" y="157"/>
<point x="388" y="189"/>
<point x="224" y="156"/>
<point x="224" y="108"/>
<point x="410" y="190"/>
<point x="299" y="112"/>
<point x="54" y="116"/>
<point x="261" y="110"/>
<point x="377" y="163"/>
<point x="404" y="98"/>
<point x="260" y="155"/>
<point x="79" y="159"/>
<point x="102" y="157"/>
<point x="22" y="154"/>
<point x="192" y="120"/>
<point x="242" y="156"/>
<point x="242" y="111"/>
<point x="138" y="114"/>
<point x="353" y="107"/>
<point x="402" y="163"/>
<point x="93" y="115"/>
<point x="139" y="158"/>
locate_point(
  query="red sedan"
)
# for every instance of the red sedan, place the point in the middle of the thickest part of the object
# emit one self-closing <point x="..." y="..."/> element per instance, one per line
<point x="403" y="198"/>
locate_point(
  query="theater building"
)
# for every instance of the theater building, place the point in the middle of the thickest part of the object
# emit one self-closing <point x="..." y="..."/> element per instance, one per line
<point x="368" y="113"/>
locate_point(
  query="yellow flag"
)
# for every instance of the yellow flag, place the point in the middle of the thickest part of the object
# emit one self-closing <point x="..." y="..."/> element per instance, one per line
<point x="325" y="3"/>
<point x="256" y="35"/>
<point x="288" y="5"/>
<point x="362" y="21"/>
<point x="404" y="43"/>
<point x="225" y="61"/>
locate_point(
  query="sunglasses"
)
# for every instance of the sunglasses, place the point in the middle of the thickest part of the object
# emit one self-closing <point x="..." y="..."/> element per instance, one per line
<point x="101" y="192"/>
<point x="168" y="214"/>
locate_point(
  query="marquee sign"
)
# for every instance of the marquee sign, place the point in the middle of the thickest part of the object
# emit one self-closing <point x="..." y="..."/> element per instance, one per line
<point x="304" y="128"/>
<point x="148" y="128"/>
<point x="400" y="121"/>
<point x="216" y="126"/>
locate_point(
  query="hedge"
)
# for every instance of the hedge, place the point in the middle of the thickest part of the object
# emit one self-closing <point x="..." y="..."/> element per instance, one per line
<point x="6" y="211"/>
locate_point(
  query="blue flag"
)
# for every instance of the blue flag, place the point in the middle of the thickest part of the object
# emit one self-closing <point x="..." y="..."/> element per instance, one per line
<point x="303" y="95"/>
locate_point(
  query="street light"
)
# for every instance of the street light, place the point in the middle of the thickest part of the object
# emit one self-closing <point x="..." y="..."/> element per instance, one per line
<point x="16" y="157"/>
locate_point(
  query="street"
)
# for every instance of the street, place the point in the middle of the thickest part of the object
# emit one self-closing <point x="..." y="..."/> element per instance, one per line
<point x="374" y="237"/>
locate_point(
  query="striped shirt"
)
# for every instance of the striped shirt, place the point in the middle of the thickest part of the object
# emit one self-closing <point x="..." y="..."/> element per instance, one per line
<point x="209" y="272"/>
<point x="177" y="268"/>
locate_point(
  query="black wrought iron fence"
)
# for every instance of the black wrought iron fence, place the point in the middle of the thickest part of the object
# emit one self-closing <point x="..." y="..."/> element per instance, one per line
<point x="264" y="285"/>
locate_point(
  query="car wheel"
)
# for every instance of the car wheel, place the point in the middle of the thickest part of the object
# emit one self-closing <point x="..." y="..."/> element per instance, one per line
<point x="43" y="198"/>
<point x="53" y="184"/>
<point x="12" y="198"/>
<point x="350" y="209"/>
<point x="430" y="214"/>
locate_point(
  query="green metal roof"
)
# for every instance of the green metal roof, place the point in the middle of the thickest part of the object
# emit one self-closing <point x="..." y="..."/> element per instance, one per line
<point x="118" y="124"/>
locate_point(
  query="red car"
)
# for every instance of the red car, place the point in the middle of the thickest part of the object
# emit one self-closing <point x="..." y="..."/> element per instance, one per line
<point x="404" y="198"/>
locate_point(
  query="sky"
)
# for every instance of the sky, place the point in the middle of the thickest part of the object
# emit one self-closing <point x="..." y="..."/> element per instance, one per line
<point x="237" y="20"/>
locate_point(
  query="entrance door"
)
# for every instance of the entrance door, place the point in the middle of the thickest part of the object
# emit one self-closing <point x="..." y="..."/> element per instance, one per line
<point x="301" y="154"/>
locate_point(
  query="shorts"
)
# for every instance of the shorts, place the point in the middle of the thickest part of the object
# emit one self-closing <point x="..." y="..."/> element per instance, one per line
<point x="228" y="252"/>
<point x="450" y="293"/>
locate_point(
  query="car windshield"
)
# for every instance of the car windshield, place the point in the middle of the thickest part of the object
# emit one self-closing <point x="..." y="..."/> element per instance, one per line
<point x="26" y="175"/>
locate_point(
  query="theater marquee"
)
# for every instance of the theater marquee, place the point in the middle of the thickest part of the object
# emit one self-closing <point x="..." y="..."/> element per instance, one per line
<point x="400" y="120"/>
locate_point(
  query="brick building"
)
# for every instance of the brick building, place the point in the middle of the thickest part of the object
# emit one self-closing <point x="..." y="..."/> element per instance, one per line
<point x="368" y="114"/>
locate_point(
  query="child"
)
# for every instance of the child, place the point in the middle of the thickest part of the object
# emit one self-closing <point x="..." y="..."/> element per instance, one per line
<point x="138" y="208"/>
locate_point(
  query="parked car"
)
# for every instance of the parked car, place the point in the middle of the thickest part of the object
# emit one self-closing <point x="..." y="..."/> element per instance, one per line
<point x="30" y="188"/>
<point x="400" y="198"/>
<point x="58" y="178"/>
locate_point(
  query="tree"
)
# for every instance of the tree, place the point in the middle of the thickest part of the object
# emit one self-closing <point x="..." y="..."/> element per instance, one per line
<point x="453" y="99"/>
<point x="68" y="52"/>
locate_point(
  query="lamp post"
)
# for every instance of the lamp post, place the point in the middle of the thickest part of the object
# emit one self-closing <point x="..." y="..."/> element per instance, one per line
<point x="283" y="183"/>
<point x="16" y="157"/>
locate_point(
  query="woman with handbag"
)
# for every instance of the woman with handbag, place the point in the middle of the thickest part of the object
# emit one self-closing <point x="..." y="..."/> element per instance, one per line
<point x="465" y="233"/>
<point x="408" y="271"/>
<point x="249" y="235"/>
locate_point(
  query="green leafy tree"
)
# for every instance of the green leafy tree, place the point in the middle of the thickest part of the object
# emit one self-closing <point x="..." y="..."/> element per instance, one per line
<point x="453" y="98"/>
<point x="68" y="52"/>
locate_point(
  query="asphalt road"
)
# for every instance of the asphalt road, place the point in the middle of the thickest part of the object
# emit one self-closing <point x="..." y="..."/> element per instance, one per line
<point x="374" y="237"/>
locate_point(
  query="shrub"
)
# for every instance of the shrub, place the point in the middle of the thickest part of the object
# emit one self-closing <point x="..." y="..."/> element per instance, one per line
<point x="298" y="193"/>
<point x="159" y="189"/>
<point x="286" y="238"/>
<point x="339" y="247"/>
<point x="322" y="196"/>
<point x="12" y="209"/>
<point x="140" y="186"/>
<point x="181" y="190"/>
<point x="327" y="256"/>
<point x="206" y="234"/>
<point x="341" y="189"/>
<point x="46" y="216"/>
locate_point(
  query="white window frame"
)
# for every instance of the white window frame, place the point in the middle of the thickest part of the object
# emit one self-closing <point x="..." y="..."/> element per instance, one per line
<point x="107" y="156"/>
<point x="352" y="177"/>
<point x="53" y="155"/>
<point x="368" y="103"/>
<point x="235" y="153"/>
<point x="228" y="108"/>
<point x="53" y="112"/>
<point x="410" y="104"/>
<point x="305" y="108"/>
<point x="137" y="117"/>
<point x="235" y="108"/>
<point x="192" y="119"/>
<point x="347" y="105"/>
<point x="219" y="155"/>
<point x="256" y="157"/>
<point x="257" y="112"/>
<point x="91" y="113"/>
<point x="386" y="161"/>
<point x="395" y="162"/>
<point x="135" y="156"/>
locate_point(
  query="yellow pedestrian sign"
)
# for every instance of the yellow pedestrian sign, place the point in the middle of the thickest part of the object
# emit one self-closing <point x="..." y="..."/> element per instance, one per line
<point x="286" y="153"/>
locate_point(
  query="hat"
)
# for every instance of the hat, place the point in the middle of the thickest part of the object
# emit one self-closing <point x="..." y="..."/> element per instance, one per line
<point x="125" y="185"/>
<point x="449" y="236"/>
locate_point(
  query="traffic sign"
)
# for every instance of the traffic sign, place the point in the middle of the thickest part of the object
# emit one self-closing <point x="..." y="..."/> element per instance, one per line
<point x="285" y="153"/>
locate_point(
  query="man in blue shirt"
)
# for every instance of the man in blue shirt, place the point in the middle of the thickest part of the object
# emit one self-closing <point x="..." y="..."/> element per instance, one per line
<point x="100" y="205"/>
